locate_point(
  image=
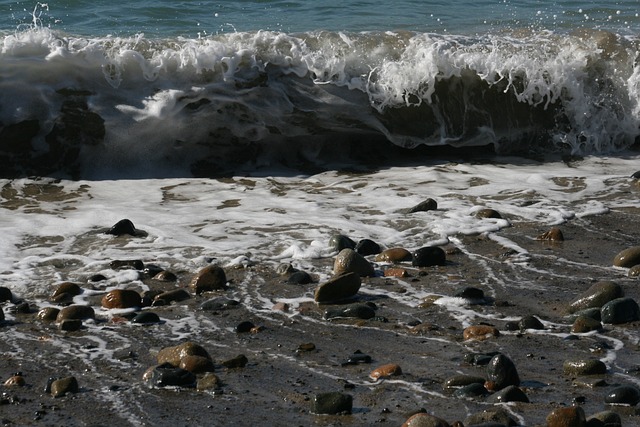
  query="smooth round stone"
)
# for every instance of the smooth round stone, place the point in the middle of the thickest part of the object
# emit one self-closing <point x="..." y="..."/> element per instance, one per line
<point x="357" y="311"/>
<point x="174" y="295"/>
<point x="584" y="324"/>
<point x="70" y="325"/>
<point x="123" y="227"/>
<point x="240" y="361"/>
<point x="623" y="395"/>
<point x="572" y="416"/>
<point x="592" y="313"/>
<point x="196" y="364"/>
<point x="332" y="403"/>
<point x="627" y="257"/>
<point x="173" y="355"/>
<point x="423" y="419"/>
<point x="1" y="314"/>
<point x="67" y="288"/>
<point x="634" y="271"/>
<point x="367" y="247"/>
<point x="126" y="264"/>
<point x="461" y="381"/>
<point x="621" y="310"/>
<point x="501" y="372"/>
<point x="385" y="371"/>
<point x="121" y="298"/>
<point x="604" y="419"/>
<point x="338" y="289"/>
<point x="15" y="381"/>
<point x="596" y="296"/>
<point x="244" y="327"/>
<point x="349" y="261"/>
<point x="210" y="278"/>
<point x="479" y="359"/>
<point x="146" y="317"/>
<point x="63" y="386"/>
<point x="219" y="304"/>
<point x="165" y="276"/>
<point x="357" y="358"/>
<point x="5" y="294"/>
<point x="553" y="234"/>
<point x="490" y="416"/>
<point x="209" y="381"/>
<point x="300" y="278"/>
<point x="488" y="213"/>
<point x="469" y="292"/>
<point x="471" y="391"/>
<point x="584" y="367"/>
<point x="166" y="375"/>
<point x="424" y="206"/>
<point x="339" y="242"/>
<point x="508" y="394"/>
<point x="429" y="256"/>
<point x="530" y="322"/>
<point x="394" y="255"/>
<point x="80" y="312"/>
<point x="47" y="314"/>
<point x="479" y="332"/>
<point x="396" y="272"/>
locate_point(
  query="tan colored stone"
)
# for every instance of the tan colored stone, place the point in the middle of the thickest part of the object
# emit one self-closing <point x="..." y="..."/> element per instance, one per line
<point x="480" y="332"/>
<point x="121" y="298"/>
<point x="210" y="278"/>
<point x="394" y="255"/>
<point x="385" y="371"/>
<point x="175" y="354"/>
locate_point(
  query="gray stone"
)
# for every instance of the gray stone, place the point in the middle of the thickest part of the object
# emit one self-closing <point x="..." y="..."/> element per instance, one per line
<point x="584" y="367"/>
<point x="349" y="261"/>
<point x="338" y="289"/>
<point x="621" y="310"/>
<point x="627" y="257"/>
<point x="596" y="296"/>
<point x="332" y="403"/>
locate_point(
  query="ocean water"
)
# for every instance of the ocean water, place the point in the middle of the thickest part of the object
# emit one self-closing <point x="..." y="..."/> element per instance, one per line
<point x="240" y="133"/>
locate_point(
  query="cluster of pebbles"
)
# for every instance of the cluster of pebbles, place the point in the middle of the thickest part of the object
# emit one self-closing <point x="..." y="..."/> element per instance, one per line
<point x="189" y="365"/>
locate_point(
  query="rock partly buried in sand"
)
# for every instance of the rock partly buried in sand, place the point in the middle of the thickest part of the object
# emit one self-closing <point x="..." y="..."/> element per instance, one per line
<point x="48" y="314"/>
<point x="121" y="298"/>
<point x="429" y="256"/>
<point x="166" y="375"/>
<point x="332" y="403"/>
<point x="210" y="278"/>
<point x="501" y="373"/>
<point x="459" y="380"/>
<point x="175" y="354"/>
<point x="582" y="367"/>
<point x="427" y="205"/>
<point x="146" y="317"/>
<point x="69" y="288"/>
<point x="620" y="310"/>
<point x="394" y="255"/>
<point x="423" y="419"/>
<point x="567" y="417"/>
<point x="209" y="381"/>
<point x="386" y="371"/>
<point x="634" y="271"/>
<point x="339" y="242"/>
<point x="488" y="213"/>
<point x="604" y="419"/>
<point x="124" y="227"/>
<point x="623" y="395"/>
<point x="338" y="289"/>
<point x="16" y="380"/>
<point x="349" y="261"/>
<point x="480" y="332"/>
<point x="240" y="361"/>
<point x="584" y="324"/>
<point x="530" y="322"/>
<point x="596" y="296"/>
<point x="196" y="364"/>
<point x="628" y="257"/>
<point x="490" y="417"/>
<point x="367" y="247"/>
<point x="219" y="304"/>
<point x="174" y="295"/>
<point x="80" y="312"/>
<point x="357" y="311"/>
<point x="508" y="394"/>
<point x="300" y="278"/>
<point x="63" y="386"/>
<point x="553" y="234"/>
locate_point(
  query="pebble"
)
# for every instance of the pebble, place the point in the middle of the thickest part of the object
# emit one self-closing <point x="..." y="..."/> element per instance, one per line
<point x="219" y="304"/>
<point x="584" y="367"/>
<point x="396" y="272"/>
<point x="166" y="374"/>
<point x="358" y="311"/>
<point x="5" y="294"/>
<point x="175" y="295"/>
<point x="584" y="324"/>
<point x="623" y="395"/>
<point x="462" y="380"/>
<point x="63" y="386"/>
<point x="126" y="264"/>
<point x="332" y="403"/>
<point x="209" y="381"/>
<point x="146" y="317"/>
<point x="394" y="255"/>
<point x="357" y="358"/>
<point x="572" y="416"/>
<point x="239" y="361"/>
<point x="490" y="417"/>
<point x="385" y="371"/>
<point x="604" y="419"/>
<point x="338" y="289"/>
<point x="69" y="288"/>
<point x="634" y="271"/>
<point x="501" y="372"/>
<point x="429" y="256"/>
<point x="479" y="359"/>
<point x="508" y="394"/>
<point x="620" y="310"/>
<point x="244" y="327"/>
<point x="70" y="325"/>
<point x="210" y="278"/>
<point x="48" y="314"/>
<point x="339" y="242"/>
<point x="423" y="419"/>
<point x="80" y="312"/>
<point x="470" y="293"/>
<point x="627" y="257"/>
<point x="300" y="278"/>
<point x="479" y="332"/>
<point x="488" y="213"/>
<point x="196" y="364"/>
<point x="123" y="227"/>
<point x="165" y="276"/>
<point x="349" y="261"/>
<point x="367" y="247"/>
<point x="173" y="355"/>
<point x="121" y="298"/>
<point x="530" y="322"/>
<point x="471" y="390"/>
<point x="553" y="234"/>
<point x="16" y="380"/>
<point x="424" y="206"/>
<point x="281" y="306"/>
<point x="596" y="296"/>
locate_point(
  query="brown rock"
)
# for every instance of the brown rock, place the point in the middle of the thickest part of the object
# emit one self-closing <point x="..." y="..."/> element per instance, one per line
<point x="165" y="276"/>
<point x="396" y="272"/>
<point x="386" y="371"/>
<point x="480" y="332"/>
<point x="597" y="295"/>
<point x="349" y="261"/>
<point x="281" y="306"/>
<point x="210" y="278"/>
<point x="48" y="314"/>
<point x="63" y="386"/>
<point x="239" y="361"/>
<point x="628" y="257"/>
<point x="425" y="420"/>
<point x="121" y="298"/>
<point x="488" y="213"/>
<point x="80" y="312"/>
<point x="572" y="416"/>
<point x="175" y="295"/>
<point x="175" y="354"/>
<point x="584" y="324"/>
<point x="67" y="288"/>
<point x="394" y="255"/>
<point x="338" y="289"/>
<point x="196" y="364"/>
<point x="553" y="234"/>
<point x="209" y="381"/>
<point x="15" y="381"/>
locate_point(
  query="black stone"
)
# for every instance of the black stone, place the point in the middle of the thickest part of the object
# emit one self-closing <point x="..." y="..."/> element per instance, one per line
<point x="339" y="242"/>
<point x="332" y="403"/>
<point x="245" y="326"/>
<point x="219" y="304"/>
<point x="367" y="247"/>
<point x="502" y="372"/>
<point x="146" y="317"/>
<point x="123" y="227"/>
<point x="128" y="264"/>
<point x="508" y="394"/>
<point x="530" y="322"/>
<point x="357" y="358"/>
<point x="470" y="292"/>
<point x="358" y="311"/>
<point x="620" y="310"/>
<point x="168" y="375"/>
<point x="429" y="256"/>
<point x="239" y="361"/>
<point x="623" y="395"/>
<point x="471" y="390"/>
<point x="5" y="294"/>
<point x="300" y="278"/>
<point x="427" y="205"/>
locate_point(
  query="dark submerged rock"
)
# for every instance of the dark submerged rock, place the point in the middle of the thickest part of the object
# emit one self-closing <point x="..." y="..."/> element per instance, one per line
<point x="126" y="264"/>
<point x="123" y="227"/>
<point x="623" y="395"/>
<point x="429" y="256"/>
<point x="219" y="304"/>
<point x="339" y="242"/>
<point x="470" y="293"/>
<point x="508" y="394"/>
<point x="358" y="311"/>
<point x="332" y="403"/>
<point x="530" y="322"/>
<point x="146" y="317"/>
<point x="424" y="206"/>
<point x="604" y="419"/>
<point x="166" y="374"/>
<point x="357" y="358"/>
<point x="621" y="310"/>
<point x="300" y="278"/>
<point x="5" y="294"/>
<point x="367" y="247"/>
<point x="239" y="361"/>
<point x="471" y="390"/>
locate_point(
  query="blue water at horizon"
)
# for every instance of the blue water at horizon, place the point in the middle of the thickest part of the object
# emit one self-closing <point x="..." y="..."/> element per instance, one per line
<point x="160" y="19"/>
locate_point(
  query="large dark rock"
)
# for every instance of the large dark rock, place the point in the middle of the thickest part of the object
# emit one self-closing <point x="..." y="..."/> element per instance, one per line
<point x="429" y="256"/>
<point x="338" y="289"/>
<point x="596" y="296"/>
<point x="621" y="310"/>
<point x="332" y="403"/>
<point x="502" y="372"/>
